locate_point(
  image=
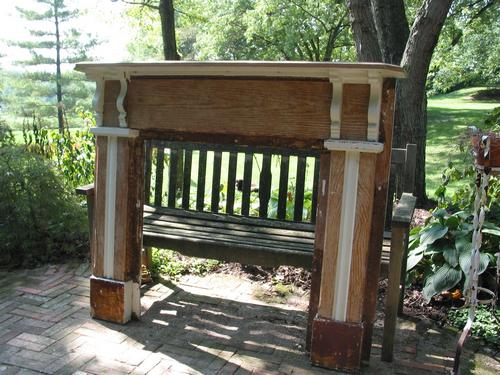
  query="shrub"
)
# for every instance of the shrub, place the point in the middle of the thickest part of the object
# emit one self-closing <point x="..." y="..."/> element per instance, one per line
<point x="485" y="322"/>
<point x="40" y="219"/>
<point x="171" y="264"/>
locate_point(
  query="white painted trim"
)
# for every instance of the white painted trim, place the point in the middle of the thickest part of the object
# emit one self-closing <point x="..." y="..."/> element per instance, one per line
<point x="98" y="100"/>
<point x="336" y="106"/>
<point x="374" y="106"/>
<point x="347" y="145"/>
<point x="350" y="72"/>
<point x="122" y="117"/>
<point x="110" y="208"/>
<point x="136" y="300"/>
<point x="347" y="222"/>
<point x="109" y="131"/>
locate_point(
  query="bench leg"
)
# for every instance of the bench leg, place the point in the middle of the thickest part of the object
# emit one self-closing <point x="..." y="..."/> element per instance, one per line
<point x="393" y="293"/>
<point x="403" y="275"/>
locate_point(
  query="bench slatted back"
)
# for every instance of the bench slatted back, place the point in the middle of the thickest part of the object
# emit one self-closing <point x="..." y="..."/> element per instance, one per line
<point x="164" y="158"/>
<point x="162" y="161"/>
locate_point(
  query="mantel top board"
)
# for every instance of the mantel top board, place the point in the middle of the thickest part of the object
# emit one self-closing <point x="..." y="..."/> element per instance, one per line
<point x="109" y="70"/>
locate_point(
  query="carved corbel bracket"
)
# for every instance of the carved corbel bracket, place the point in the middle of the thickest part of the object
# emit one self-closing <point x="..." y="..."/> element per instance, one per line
<point x="375" y="82"/>
<point x="336" y="106"/>
<point x="122" y="114"/>
<point x="98" y="100"/>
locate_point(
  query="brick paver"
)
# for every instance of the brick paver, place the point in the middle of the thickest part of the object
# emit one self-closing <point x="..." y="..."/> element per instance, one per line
<point x="199" y="325"/>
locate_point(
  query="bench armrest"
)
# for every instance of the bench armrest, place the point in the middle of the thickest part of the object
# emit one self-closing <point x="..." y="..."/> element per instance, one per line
<point x="85" y="190"/>
<point x="403" y="212"/>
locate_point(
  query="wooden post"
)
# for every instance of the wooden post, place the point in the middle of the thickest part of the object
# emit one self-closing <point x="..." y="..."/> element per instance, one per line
<point x="338" y="327"/>
<point x="117" y="218"/>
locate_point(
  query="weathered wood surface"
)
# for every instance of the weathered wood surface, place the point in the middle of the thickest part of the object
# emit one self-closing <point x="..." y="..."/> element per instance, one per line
<point x="354" y="118"/>
<point x="107" y="299"/>
<point x="110" y="113"/>
<point x="379" y="192"/>
<point x="331" y="230"/>
<point x="97" y="234"/>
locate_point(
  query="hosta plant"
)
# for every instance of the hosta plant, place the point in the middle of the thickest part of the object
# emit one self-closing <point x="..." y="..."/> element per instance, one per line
<point x="440" y="251"/>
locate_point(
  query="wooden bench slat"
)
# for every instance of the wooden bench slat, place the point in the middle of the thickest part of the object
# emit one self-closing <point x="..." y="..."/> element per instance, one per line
<point x="256" y="242"/>
<point x="265" y="185"/>
<point x="307" y="234"/>
<point x="299" y="188"/>
<point x="247" y="184"/>
<point x="147" y="171"/>
<point x="231" y="182"/>
<point x="283" y="187"/>
<point x="186" y="184"/>
<point x="315" y="190"/>
<point x="243" y="231"/>
<point x="234" y="219"/>
<point x="216" y="181"/>
<point x="172" y="176"/>
<point x="160" y="157"/>
<point x="200" y="188"/>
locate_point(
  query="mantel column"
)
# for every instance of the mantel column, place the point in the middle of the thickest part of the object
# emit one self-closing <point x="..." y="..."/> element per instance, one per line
<point x="117" y="234"/>
<point x="345" y="216"/>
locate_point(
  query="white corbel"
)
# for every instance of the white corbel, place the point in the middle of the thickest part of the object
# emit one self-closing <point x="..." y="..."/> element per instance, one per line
<point x="98" y="100"/>
<point x="335" y="106"/>
<point x="375" y="82"/>
<point x="122" y="114"/>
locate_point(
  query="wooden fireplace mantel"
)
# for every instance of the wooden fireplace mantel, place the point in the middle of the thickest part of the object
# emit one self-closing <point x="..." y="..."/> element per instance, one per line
<point x="343" y="110"/>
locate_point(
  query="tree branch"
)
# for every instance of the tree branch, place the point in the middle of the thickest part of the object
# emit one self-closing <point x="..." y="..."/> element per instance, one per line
<point x="310" y="14"/>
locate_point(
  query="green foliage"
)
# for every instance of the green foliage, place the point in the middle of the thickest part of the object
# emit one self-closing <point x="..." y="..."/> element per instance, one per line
<point x="40" y="218"/>
<point x="171" y="264"/>
<point x="440" y="251"/>
<point x="468" y="49"/>
<point x="6" y="136"/>
<point x="71" y="152"/>
<point x="486" y="322"/>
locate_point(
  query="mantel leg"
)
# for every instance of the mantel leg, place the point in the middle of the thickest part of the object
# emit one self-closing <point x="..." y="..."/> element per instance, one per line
<point x="337" y="328"/>
<point x="117" y="230"/>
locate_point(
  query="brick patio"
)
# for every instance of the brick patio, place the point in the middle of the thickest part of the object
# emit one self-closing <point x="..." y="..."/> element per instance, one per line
<point x="207" y="325"/>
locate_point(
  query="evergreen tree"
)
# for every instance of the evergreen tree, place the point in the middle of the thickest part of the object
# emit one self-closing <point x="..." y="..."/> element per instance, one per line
<point x="53" y="44"/>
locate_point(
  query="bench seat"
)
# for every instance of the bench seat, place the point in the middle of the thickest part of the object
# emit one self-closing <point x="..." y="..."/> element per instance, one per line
<point x="229" y="238"/>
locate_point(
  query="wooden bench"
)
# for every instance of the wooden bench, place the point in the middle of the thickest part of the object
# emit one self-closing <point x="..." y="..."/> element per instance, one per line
<point x="258" y="218"/>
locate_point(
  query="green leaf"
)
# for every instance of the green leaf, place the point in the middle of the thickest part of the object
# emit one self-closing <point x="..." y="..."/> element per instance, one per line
<point x="450" y="255"/>
<point x="441" y="213"/>
<point x="494" y="232"/>
<point x="443" y="279"/>
<point x="465" y="261"/>
<point x="452" y="222"/>
<point x="414" y="257"/>
<point x="435" y="232"/>
<point x="463" y="244"/>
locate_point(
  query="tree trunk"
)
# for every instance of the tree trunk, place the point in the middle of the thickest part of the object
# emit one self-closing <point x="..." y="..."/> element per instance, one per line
<point x="411" y="107"/>
<point x="364" y="30"/>
<point x="392" y="29"/>
<point x="60" y="117"/>
<point x="167" y="17"/>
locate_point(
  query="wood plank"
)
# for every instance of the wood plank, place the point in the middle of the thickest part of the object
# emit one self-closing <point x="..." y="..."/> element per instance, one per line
<point x="314" y="202"/>
<point x="253" y="239"/>
<point x="364" y="205"/>
<point x="99" y="206"/>
<point x="147" y="172"/>
<point x="216" y="181"/>
<point x="283" y="187"/>
<point x="231" y="182"/>
<point x="254" y="232"/>
<point x="265" y="180"/>
<point x="121" y="207"/>
<point x="299" y="188"/>
<point x="257" y="107"/>
<point x="172" y="176"/>
<point x="186" y="185"/>
<point x="380" y="199"/>
<point x="247" y="184"/>
<point x="354" y="118"/>
<point x="236" y="219"/>
<point x="332" y="232"/>
<point x="110" y="112"/>
<point x="200" y="188"/>
<point x="160" y="157"/>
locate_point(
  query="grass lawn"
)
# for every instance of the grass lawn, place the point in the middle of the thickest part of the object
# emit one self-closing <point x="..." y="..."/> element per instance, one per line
<point x="449" y="116"/>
